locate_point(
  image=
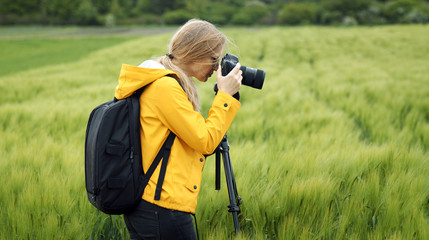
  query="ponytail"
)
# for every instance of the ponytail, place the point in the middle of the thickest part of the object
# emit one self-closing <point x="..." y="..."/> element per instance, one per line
<point x="186" y="81"/>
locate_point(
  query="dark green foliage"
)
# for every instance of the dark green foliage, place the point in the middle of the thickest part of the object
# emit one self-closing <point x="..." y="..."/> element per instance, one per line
<point x="346" y="7"/>
<point x="86" y="14"/>
<point x="298" y="13"/>
<point x="160" y="6"/>
<point x="221" y="12"/>
<point x="218" y="13"/>
<point x="179" y="16"/>
<point x="103" y="6"/>
<point x="59" y="11"/>
<point x="250" y="14"/>
<point x="406" y="11"/>
<point x="372" y="15"/>
<point x="18" y="7"/>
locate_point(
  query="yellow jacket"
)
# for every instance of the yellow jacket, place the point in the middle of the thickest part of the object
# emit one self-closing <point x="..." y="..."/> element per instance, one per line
<point x="165" y="107"/>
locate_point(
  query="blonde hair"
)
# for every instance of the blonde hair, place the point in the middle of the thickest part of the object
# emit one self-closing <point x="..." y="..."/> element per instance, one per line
<point x="194" y="41"/>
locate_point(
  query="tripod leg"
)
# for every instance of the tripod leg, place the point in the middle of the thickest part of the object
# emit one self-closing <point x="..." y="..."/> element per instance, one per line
<point x="230" y="182"/>
<point x="234" y="185"/>
<point x="217" y="179"/>
<point x="233" y="207"/>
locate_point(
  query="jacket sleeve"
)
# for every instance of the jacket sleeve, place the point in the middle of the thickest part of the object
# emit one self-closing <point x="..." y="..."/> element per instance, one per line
<point x="177" y="113"/>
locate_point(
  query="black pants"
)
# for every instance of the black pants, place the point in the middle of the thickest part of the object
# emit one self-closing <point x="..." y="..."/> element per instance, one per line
<point x="149" y="221"/>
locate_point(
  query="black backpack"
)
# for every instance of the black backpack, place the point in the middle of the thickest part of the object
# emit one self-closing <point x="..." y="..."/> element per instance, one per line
<point x="113" y="161"/>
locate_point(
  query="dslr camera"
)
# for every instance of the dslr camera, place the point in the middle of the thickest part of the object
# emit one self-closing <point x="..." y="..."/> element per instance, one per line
<point x="251" y="77"/>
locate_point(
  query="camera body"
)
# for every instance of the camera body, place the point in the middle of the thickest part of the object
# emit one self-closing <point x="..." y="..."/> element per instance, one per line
<point x="251" y="77"/>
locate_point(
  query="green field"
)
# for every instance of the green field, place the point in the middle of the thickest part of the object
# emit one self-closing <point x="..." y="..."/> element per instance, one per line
<point x="333" y="147"/>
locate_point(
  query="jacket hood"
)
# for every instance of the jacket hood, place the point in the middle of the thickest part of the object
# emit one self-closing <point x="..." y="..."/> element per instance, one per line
<point x="132" y="78"/>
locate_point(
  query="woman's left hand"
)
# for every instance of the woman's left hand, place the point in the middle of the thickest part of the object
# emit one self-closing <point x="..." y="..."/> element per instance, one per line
<point x="230" y="83"/>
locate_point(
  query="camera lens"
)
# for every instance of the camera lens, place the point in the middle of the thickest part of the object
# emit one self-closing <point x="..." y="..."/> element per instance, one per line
<point x="251" y="77"/>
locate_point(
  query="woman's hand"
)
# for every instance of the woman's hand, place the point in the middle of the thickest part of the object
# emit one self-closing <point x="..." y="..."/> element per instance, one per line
<point x="231" y="83"/>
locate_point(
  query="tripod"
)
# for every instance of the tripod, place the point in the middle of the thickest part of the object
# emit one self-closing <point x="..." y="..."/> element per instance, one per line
<point x="234" y="199"/>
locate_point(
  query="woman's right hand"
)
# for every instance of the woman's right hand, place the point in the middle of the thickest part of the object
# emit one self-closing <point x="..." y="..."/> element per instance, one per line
<point x="230" y="83"/>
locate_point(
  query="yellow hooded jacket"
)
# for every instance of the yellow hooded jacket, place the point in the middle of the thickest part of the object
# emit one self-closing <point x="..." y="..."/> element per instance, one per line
<point x="165" y="107"/>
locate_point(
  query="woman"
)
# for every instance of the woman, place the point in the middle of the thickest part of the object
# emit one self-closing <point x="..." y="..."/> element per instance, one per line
<point x="168" y="105"/>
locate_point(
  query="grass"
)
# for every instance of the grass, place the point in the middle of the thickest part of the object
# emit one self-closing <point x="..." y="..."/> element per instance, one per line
<point x="26" y="54"/>
<point x="333" y="147"/>
<point x="25" y="48"/>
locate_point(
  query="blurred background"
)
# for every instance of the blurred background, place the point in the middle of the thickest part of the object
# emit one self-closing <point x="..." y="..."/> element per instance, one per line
<point x="221" y="12"/>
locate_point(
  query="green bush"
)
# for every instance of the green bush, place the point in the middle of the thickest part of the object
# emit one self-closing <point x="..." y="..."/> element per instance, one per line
<point x="371" y="16"/>
<point x="117" y="11"/>
<point x="404" y="11"/>
<point x="221" y="12"/>
<point x="344" y="12"/>
<point x="416" y="16"/>
<point x="331" y="17"/>
<point x="18" y="8"/>
<point x="102" y="6"/>
<point x="349" y="21"/>
<point x="298" y="13"/>
<point x="179" y="16"/>
<point x="11" y="19"/>
<point x="58" y="11"/>
<point x="218" y="13"/>
<point x="143" y="19"/>
<point x="158" y="6"/>
<point x="346" y="8"/>
<point x="86" y="14"/>
<point x="250" y="14"/>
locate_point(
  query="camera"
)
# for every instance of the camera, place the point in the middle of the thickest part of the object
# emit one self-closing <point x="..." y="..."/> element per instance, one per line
<point x="251" y="77"/>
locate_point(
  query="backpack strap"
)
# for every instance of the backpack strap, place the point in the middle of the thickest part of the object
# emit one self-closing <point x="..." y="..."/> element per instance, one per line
<point x="164" y="155"/>
<point x="173" y="76"/>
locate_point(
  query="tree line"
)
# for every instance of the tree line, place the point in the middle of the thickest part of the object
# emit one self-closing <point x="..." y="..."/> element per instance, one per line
<point x="220" y="12"/>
